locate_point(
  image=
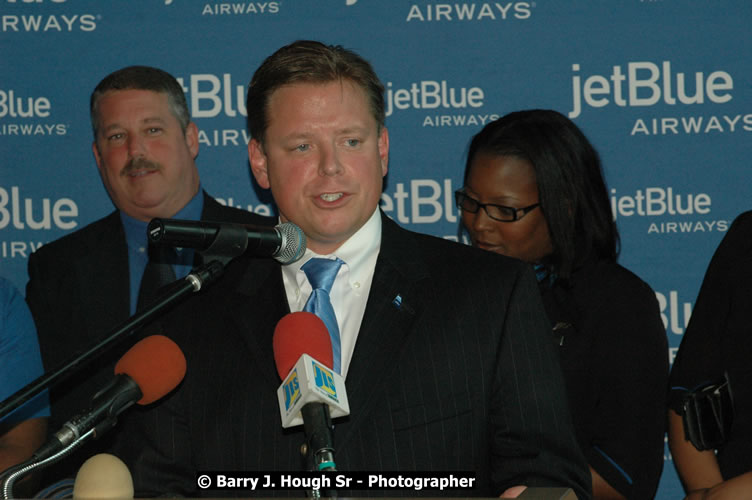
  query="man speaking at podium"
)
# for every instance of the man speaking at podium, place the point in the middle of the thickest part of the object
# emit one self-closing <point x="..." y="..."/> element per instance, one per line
<point x="445" y="350"/>
<point x="88" y="282"/>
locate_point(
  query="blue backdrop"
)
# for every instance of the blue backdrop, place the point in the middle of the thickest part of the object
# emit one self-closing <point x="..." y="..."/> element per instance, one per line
<point x="661" y="87"/>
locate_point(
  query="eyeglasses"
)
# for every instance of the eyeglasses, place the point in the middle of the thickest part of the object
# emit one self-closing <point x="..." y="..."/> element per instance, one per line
<point x="500" y="213"/>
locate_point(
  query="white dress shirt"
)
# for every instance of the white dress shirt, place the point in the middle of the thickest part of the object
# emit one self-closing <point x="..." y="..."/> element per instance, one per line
<point x="349" y="293"/>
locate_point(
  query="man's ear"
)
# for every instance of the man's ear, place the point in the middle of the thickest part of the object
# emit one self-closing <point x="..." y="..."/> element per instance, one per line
<point x="257" y="159"/>
<point x="191" y="139"/>
<point x="97" y="158"/>
<point x="384" y="150"/>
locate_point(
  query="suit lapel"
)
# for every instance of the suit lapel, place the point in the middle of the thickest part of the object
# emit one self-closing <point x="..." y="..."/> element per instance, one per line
<point x="102" y="269"/>
<point x="254" y="295"/>
<point x="258" y="302"/>
<point x="394" y="303"/>
<point x="212" y="208"/>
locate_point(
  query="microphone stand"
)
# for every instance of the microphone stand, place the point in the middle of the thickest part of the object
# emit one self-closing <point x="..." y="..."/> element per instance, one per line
<point x="181" y="288"/>
<point x="223" y="249"/>
<point x="317" y="425"/>
<point x="9" y="477"/>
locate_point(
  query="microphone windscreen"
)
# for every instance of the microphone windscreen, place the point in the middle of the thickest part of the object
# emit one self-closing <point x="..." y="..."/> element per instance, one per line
<point x="294" y="246"/>
<point x="156" y="364"/>
<point x="103" y="476"/>
<point x="300" y="333"/>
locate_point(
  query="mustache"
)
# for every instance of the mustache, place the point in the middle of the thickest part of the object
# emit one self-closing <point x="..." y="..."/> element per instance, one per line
<point x="139" y="164"/>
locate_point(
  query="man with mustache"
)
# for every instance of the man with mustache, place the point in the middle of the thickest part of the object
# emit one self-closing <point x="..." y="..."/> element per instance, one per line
<point x="86" y="283"/>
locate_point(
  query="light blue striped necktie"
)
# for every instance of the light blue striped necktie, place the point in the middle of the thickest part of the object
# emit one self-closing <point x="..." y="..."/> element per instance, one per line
<point x="321" y="274"/>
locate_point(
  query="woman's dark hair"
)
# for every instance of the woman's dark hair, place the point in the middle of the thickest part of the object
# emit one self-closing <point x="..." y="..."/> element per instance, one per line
<point x="571" y="189"/>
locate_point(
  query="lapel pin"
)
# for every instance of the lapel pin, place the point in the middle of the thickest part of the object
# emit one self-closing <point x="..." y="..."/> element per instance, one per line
<point x="397" y="301"/>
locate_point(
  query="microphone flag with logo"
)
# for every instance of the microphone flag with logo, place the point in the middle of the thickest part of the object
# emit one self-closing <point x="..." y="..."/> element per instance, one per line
<point x="303" y="356"/>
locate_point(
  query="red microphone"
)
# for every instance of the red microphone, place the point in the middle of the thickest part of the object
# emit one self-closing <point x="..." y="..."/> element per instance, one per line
<point x="311" y="393"/>
<point x="297" y="334"/>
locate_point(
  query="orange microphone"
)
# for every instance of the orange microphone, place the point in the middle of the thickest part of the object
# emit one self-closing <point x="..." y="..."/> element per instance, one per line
<point x="148" y="371"/>
<point x="156" y="364"/>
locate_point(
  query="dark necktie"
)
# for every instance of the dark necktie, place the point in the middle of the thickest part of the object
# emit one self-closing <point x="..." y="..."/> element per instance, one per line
<point x="158" y="273"/>
<point x="321" y="274"/>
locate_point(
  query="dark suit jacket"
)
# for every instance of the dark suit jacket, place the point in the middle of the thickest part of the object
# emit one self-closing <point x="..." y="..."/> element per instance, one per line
<point x="463" y="375"/>
<point x="78" y="291"/>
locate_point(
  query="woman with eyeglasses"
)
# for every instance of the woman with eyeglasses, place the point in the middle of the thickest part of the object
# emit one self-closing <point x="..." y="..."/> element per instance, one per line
<point x="534" y="190"/>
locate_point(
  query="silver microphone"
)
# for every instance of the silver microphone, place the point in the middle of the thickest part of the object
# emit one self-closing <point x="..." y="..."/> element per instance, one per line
<point x="285" y="242"/>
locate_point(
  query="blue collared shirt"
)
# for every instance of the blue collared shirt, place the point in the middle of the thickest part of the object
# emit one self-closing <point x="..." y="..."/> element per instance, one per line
<point x="135" y="238"/>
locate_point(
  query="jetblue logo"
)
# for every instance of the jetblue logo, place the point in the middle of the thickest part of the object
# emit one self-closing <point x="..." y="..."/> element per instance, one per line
<point x="645" y="84"/>
<point x="292" y="390"/>
<point x="23" y="107"/>
<point x="655" y="201"/>
<point x="431" y="94"/>
<point x="324" y="380"/>
<point x="22" y="212"/>
<point x="210" y="95"/>
<point x="423" y="201"/>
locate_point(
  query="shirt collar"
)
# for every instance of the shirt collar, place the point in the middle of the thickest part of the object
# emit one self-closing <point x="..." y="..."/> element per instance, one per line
<point x="360" y="248"/>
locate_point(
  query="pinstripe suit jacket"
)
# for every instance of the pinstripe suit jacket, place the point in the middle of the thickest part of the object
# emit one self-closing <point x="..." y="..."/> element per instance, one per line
<point x="78" y="292"/>
<point x="462" y="376"/>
